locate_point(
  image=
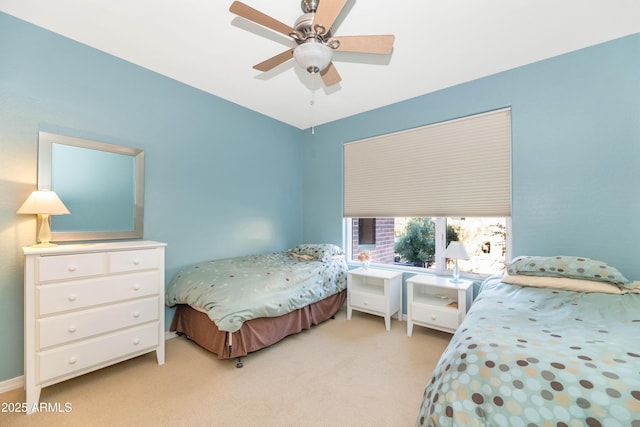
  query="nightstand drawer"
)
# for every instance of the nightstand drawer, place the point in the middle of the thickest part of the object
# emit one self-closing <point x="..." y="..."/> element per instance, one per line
<point x="368" y="301"/>
<point x="78" y="325"/>
<point x="436" y="316"/>
<point x="64" y="360"/>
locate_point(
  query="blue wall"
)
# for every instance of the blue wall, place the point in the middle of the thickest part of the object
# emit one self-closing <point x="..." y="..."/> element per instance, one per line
<point x="221" y="180"/>
<point x="576" y="152"/>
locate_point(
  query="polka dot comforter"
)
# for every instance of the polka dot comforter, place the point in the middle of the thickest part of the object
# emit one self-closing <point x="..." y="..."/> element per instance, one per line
<point x="539" y="357"/>
<point x="234" y="290"/>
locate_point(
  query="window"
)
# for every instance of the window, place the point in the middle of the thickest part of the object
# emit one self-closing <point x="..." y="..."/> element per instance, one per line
<point x="485" y="240"/>
<point x="366" y="231"/>
<point x="431" y="185"/>
<point x="419" y="242"/>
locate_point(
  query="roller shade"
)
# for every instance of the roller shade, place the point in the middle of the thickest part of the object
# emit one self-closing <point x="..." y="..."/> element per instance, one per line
<point x="457" y="168"/>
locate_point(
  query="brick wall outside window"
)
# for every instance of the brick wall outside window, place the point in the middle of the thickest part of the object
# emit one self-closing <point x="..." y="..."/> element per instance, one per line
<point x="383" y="251"/>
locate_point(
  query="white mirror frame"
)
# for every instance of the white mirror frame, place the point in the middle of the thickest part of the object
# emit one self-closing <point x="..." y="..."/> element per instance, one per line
<point x="45" y="141"/>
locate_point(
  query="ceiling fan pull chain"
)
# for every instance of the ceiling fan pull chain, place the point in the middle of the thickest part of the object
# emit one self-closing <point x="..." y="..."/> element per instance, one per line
<point x="313" y="103"/>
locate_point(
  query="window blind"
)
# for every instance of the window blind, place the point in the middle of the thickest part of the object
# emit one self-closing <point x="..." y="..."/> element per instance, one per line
<point x="456" y="168"/>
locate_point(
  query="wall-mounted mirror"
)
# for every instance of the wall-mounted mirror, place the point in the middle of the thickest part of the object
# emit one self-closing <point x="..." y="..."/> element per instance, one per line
<point x="101" y="184"/>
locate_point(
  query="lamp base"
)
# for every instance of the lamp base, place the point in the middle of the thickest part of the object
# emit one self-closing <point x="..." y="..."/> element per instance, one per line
<point x="44" y="234"/>
<point x="456" y="274"/>
<point x="44" y="245"/>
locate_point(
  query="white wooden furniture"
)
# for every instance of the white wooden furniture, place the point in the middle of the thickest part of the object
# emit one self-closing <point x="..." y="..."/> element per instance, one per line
<point x="376" y="292"/>
<point x="88" y="306"/>
<point x="436" y="303"/>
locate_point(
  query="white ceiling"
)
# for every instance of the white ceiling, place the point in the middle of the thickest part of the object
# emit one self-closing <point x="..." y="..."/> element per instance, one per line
<point x="439" y="43"/>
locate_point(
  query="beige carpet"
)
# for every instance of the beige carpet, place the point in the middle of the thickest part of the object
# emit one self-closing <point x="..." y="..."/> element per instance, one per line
<point x="340" y="373"/>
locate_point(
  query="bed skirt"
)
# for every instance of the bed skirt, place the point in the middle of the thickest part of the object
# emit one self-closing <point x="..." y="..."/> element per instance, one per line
<point x="254" y="334"/>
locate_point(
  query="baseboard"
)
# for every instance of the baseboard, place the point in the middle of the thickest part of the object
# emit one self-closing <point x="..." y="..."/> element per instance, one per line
<point x="12" y="384"/>
<point x="18" y="382"/>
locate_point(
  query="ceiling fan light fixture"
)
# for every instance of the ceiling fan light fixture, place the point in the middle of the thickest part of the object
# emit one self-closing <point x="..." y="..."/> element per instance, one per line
<point x="313" y="56"/>
<point x="313" y="35"/>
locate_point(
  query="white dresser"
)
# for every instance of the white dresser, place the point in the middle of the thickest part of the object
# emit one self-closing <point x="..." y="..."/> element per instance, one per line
<point x="88" y="306"/>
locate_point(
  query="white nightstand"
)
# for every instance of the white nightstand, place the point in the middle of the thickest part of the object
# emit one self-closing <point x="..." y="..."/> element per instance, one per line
<point x="376" y="292"/>
<point x="436" y="303"/>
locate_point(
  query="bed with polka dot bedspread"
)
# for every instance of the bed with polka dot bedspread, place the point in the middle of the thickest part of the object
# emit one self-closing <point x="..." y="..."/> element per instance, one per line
<point x="234" y="290"/>
<point x="527" y="357"/>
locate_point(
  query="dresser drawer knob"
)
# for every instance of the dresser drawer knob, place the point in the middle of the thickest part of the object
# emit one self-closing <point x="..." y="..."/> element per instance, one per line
<point x="72" y="268"/>
<point x="72" y="328"/>
<point x="136" y="261"/>
<point x="73" y="360"/>
<point x="73" y="297"/>
<point x="136" y="341"/>
<point x="136" y="314"/>
<point x="433" y="317"/>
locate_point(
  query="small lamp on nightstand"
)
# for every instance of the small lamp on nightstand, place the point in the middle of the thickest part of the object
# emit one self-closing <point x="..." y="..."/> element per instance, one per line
<point x="43" y="203"/>
<point x="456" y="251"/>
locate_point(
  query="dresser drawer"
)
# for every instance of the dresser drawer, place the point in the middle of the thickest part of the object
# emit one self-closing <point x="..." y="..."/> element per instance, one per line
<point x="86" y="354"/>
<point x="367" y="301"/>
<point x="436" y="316"/>
<point x="65" y="267"/>
<point x="142" y="259"/>
<point x="56" y="298"/>
<point x="78" y="325"/>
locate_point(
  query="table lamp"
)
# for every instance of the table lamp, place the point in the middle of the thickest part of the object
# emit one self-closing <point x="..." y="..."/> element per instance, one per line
<point x="43" y="203"/>
<point x="456" y="251"/>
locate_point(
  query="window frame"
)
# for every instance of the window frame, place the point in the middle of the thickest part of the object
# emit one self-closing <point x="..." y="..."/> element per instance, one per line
<point x="440" y="264"/>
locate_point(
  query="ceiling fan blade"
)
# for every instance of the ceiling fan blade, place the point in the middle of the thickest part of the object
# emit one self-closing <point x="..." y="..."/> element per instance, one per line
<point x="330" y="75"/>
<point x="260" y="18"/>
<point x="274" y="61"/>
<point x="366" y="44"/>
<point x="328" y="11"/>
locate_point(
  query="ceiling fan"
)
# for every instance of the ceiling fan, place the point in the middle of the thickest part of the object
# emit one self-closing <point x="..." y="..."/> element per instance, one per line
<point x="314" y="39"/>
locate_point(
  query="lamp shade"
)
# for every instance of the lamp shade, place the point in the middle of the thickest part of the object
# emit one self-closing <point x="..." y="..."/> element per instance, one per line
<point x="312" y="56"/>
<point x="43" y="202"/>
<point x="456" y="250"/>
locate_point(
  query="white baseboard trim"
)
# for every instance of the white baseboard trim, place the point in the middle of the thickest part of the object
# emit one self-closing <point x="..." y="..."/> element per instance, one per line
<point x="12" y="384"/>
<point x="18" y="382"/>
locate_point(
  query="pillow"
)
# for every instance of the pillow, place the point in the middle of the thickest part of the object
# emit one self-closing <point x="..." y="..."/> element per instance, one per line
<point x="567" y="266"/>
<point x="564" y="283"/>
<point x="320" y="251"/>
<point x="302" y="256"/>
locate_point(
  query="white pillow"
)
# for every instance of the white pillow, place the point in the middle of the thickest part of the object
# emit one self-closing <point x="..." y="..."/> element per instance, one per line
<point x="564" y="283"/>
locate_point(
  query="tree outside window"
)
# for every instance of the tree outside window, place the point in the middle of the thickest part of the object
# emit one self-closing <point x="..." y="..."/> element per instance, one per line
<point x="411" y="242"/>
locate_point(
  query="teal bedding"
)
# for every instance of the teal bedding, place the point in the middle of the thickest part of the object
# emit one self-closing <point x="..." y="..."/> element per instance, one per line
<point x="234" y="290"/>
<point x="529" y="357"/>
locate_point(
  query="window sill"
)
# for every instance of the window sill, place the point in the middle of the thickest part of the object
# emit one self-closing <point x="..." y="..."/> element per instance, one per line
<point x="419" y="270"/>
